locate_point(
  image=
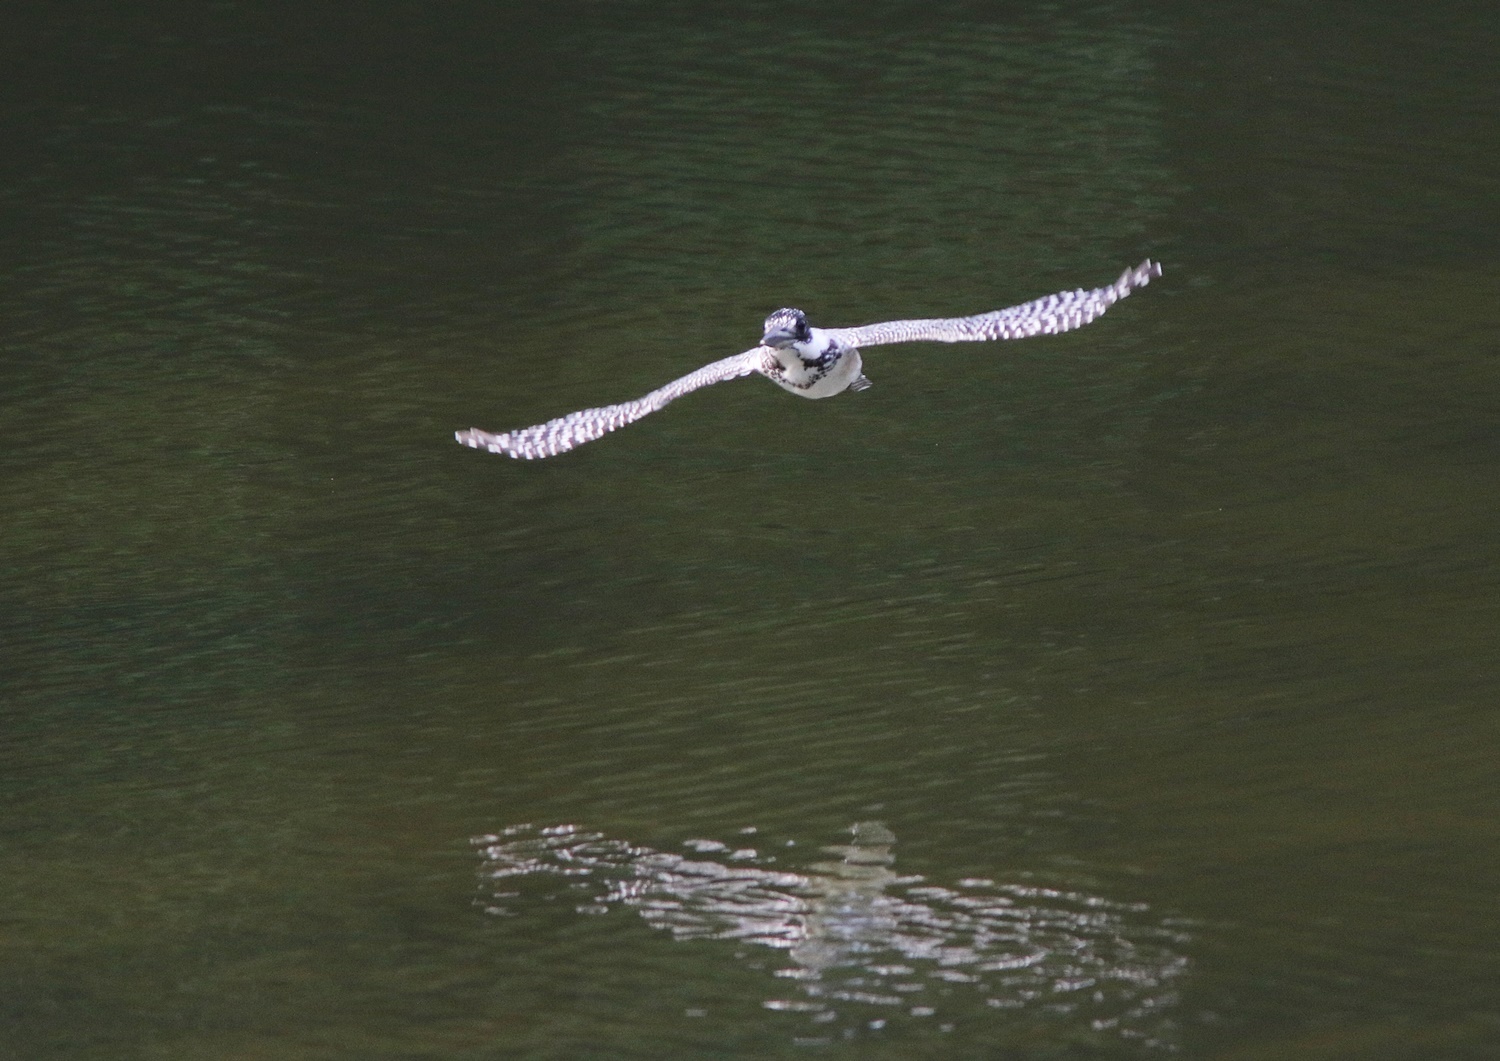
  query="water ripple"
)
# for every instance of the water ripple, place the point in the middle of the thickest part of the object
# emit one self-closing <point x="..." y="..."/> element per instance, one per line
<point x="865" y="945"/>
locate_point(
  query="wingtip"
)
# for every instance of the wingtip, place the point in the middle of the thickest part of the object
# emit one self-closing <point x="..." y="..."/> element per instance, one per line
<point x="1140" y="276"/>
<point x="1143" y="273"/>
<point x="483" y="440"/>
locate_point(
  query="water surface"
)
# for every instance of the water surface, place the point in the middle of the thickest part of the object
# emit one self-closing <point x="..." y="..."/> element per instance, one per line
<point x="1119" y="694"/>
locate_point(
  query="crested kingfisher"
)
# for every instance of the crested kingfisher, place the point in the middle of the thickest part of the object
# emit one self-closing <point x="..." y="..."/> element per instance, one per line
<point x="818" y="362"/>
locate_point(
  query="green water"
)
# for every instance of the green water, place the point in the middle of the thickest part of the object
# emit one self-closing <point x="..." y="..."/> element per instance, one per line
<point x="1121" y="694"/>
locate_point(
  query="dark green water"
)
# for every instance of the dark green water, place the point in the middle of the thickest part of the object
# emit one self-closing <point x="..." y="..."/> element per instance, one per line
<point x="1127" y="693"/>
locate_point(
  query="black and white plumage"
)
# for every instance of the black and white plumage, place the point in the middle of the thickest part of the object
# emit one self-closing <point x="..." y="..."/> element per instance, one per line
<point x="817" y="362"/>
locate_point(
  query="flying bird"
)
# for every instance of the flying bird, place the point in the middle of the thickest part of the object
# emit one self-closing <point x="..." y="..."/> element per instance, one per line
<point x="817" y="362"/>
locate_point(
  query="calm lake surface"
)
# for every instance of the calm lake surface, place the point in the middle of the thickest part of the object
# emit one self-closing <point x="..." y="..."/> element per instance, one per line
<point x="1123" y="694"/>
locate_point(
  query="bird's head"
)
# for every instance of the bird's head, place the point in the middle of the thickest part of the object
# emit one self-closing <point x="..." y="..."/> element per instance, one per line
<point x="786" y="327"/>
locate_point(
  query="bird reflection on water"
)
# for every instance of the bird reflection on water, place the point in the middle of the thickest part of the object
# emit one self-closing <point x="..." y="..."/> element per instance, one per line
<point x="863" y="940"/>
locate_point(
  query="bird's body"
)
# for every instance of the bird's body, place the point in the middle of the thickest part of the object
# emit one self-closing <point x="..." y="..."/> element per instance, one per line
<point x="818" y="362"/>
<point x="808" y="361"/>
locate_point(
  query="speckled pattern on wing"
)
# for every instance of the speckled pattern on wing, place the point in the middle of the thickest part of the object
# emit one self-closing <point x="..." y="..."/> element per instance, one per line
<point x="560" y="435"/>
<point x="822" y="350"/>
<point x="1061" y="312"/>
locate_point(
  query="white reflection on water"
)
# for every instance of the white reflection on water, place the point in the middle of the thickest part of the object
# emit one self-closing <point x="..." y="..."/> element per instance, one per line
<point x="866" y="941"/>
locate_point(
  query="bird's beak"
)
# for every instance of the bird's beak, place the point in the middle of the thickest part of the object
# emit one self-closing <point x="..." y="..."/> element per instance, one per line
<point x="778" y="337"/>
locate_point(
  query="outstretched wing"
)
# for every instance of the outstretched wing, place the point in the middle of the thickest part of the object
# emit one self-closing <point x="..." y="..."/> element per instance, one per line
<point x="560" y="435"/>
<point x="1061" y="312"/>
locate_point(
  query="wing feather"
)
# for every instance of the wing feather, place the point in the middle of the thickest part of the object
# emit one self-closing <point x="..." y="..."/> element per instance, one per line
<point x="565" y="432"/>
<point x="1061" y="312"/>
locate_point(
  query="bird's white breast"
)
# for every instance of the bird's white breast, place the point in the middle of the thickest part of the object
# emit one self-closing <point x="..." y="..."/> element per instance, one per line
<point x="813" y="380"/>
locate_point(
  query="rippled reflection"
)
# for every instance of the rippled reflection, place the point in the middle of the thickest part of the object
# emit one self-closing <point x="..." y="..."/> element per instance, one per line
<point x="866" y="943"/>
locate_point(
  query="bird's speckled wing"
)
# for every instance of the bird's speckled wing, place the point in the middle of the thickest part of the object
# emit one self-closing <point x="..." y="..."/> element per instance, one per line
<point x="560" y="435"/>
<point x="1061" y="312"/>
